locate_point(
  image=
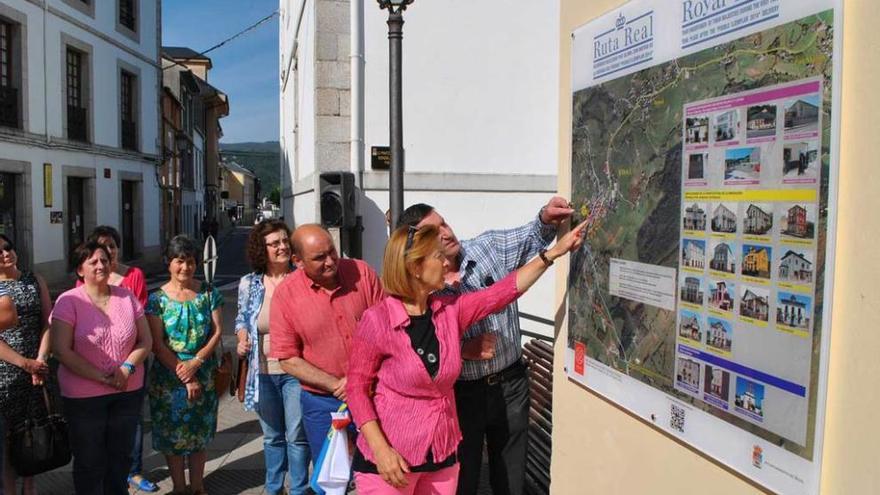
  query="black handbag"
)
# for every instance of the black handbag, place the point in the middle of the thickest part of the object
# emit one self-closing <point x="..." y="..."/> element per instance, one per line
<point x="39" y="444"/>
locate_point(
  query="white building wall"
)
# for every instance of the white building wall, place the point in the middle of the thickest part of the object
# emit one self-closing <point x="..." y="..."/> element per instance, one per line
<point x="480" y="101"/>
<point x="42" y="138"/>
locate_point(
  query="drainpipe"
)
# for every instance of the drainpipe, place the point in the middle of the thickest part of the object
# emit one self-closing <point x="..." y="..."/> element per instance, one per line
<point x="46" y="76"/>
<point x="357" y="91"/>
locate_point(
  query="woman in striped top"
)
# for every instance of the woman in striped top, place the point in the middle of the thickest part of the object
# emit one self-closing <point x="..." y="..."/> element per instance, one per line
<point x="406" y="356"/>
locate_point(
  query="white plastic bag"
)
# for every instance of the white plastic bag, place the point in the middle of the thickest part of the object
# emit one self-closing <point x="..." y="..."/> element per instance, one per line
<point x="334" y="463"/>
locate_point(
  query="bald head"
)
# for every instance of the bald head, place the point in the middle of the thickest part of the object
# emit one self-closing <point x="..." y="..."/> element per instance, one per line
<point x="315" y="253"/>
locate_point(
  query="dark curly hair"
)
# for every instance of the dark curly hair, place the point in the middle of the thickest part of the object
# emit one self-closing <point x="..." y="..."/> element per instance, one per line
<point x="255" y="250"/>
<point x="106" y="231"/>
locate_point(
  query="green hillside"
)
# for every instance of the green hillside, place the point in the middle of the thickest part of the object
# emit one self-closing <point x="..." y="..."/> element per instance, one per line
<point x="262" y="158"/>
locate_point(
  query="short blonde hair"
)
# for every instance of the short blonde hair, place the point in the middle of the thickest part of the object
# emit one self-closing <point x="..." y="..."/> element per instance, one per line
<point x="399" y="261"/>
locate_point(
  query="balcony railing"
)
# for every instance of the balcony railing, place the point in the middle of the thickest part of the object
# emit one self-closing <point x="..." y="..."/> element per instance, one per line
<point x="129" y="135"/>
<point x="8" y="107"/>
<point x="77" y="123"/>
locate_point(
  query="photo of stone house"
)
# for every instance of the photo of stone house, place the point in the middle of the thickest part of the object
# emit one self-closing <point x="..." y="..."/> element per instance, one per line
<point x="692" y="291"/>
<point x="693" y="253"/>
<point x="723" y="259"/>
<point x="717" y="382"/>
<point x="802" y="115"/>
<point x="758" y="219"/>
<point x="694" y="217"/>
<point x="756" y="260"/>
<point x="719" y="334"/>
<point x="754" y="303"/>
<point x="793" y="310"/>
<point x="795" y="267"/>
<point x="723" y="218"/>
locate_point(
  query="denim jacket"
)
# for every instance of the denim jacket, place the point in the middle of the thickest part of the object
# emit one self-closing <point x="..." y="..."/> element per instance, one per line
<point x="250" y="300"/>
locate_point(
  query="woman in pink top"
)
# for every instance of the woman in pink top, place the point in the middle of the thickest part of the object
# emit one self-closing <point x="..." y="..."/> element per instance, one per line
<point x="101" y="338"/>
<point x="132" y="278"/>
<point x="408" y="350"/>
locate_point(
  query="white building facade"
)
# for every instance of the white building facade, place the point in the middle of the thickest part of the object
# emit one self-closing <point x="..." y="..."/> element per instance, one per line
<point x="80" y="147"/>
<point x="480" y="100"/>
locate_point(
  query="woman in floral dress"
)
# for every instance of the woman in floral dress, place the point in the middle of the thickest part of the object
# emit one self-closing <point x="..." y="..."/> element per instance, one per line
<point x="185" y="320"/>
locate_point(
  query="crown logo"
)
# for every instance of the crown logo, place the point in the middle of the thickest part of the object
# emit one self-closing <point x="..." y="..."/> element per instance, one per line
<point x="621" y="21"/>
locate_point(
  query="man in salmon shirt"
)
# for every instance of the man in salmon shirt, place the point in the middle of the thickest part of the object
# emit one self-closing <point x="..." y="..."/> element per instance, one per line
<point x="312" y="320"/>
<point x="492" y="393"/>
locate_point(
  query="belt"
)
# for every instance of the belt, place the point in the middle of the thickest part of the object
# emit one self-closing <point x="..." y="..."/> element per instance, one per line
<point x="515" y="370"/>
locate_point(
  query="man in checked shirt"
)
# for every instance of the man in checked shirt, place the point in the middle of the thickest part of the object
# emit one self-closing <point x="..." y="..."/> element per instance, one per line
<point x="492" y="394"/>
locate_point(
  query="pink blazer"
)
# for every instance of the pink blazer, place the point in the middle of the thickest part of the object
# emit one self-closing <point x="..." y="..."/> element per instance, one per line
<point x="414" y="411"/>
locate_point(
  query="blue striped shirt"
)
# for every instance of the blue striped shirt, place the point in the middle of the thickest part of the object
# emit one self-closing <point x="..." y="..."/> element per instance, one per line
<point x="484" y="260"/>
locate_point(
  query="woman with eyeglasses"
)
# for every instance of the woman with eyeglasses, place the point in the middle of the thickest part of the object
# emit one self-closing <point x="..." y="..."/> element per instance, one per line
<point x="406" y="357"/>
<point x="131" y="278"/>
<point x="24" y="352"/>
<point x="270" y="391"/>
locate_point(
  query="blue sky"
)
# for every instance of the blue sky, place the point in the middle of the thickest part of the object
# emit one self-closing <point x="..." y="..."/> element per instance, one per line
<point x="246" y="69"/>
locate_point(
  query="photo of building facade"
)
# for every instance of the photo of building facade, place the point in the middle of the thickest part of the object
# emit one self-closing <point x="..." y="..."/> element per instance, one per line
<point x="795" y="267"/>
<point x="749" y="396"/>
<point x="697" y="130"/>
<point x="756" y="261"/>
<point x="723" y="219"/>
<point x="721" y="295"/>
<point x="696" y="164"/>
<point x="692" y="291"/>
<point x="754" y="303"/>
<point x="689" y="327"/>
<point x="719" y="334"/>
<point x="798" y="222"/>
<point x="802" y="114"/>
<point x="693" y="253"/>
<point x="688" y="372"/>
<point x="723" y="259"/>
<point x="694" y="217"/>
<point x="793" y="310"/>
<point x="757" y="220"/>
<point x="726" y="126"/>
<point x="717" y="382"/>
<point x="800" y="159"/>
<point x="761" y="121"/>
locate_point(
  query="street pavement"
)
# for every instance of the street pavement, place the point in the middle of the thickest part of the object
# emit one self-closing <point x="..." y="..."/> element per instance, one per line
<point x="235" y="457"/>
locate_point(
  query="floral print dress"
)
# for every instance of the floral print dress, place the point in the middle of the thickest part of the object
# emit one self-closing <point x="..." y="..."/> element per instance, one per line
<point x="181" y="427"/>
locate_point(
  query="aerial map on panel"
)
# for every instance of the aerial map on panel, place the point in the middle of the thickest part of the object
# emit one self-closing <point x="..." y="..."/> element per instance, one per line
<point x="715" y="165"/>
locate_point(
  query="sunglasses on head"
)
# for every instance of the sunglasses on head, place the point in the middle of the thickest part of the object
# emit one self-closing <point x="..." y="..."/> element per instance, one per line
<point x="410" y="237"/>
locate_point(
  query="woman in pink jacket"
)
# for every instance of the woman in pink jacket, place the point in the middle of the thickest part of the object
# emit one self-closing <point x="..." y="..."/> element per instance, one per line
<point x="406" y="357"/>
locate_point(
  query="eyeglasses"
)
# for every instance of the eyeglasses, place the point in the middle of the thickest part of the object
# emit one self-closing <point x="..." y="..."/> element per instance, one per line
<point x="410" y="237"/>
<point x="278" y="243"/>
<point x="8" y="248"/>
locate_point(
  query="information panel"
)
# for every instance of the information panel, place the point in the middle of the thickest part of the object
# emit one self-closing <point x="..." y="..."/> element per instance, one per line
<point x="704" y="145"/>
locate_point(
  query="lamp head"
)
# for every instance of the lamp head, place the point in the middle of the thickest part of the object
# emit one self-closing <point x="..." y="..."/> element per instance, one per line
<point x="394" y="6"/>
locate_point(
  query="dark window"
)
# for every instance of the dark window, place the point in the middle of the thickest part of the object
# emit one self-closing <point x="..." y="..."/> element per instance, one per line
<point x="127" y="15"/>
<point x="8" y="91"/>
<point x="77" y="114"/>
<point x="128" y="86"/>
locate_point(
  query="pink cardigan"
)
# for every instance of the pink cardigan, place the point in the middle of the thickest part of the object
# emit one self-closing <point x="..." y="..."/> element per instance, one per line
<point x="415" y="412"/>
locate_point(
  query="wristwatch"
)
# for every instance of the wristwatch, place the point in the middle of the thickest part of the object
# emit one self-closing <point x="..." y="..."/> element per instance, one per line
<point x="128" y="366"/>
<point x="543" y="255"/>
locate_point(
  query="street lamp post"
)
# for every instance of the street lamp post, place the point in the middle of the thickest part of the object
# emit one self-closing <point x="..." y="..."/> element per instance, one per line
<point x="395" y="82"/>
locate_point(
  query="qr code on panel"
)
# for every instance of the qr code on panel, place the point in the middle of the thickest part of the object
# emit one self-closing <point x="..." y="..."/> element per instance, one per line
<point x="676" y="418"/>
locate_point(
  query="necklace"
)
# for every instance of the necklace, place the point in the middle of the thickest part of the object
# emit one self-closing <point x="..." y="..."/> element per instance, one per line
<point x="273" y="282"/>
<point x="99" y="302"/>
